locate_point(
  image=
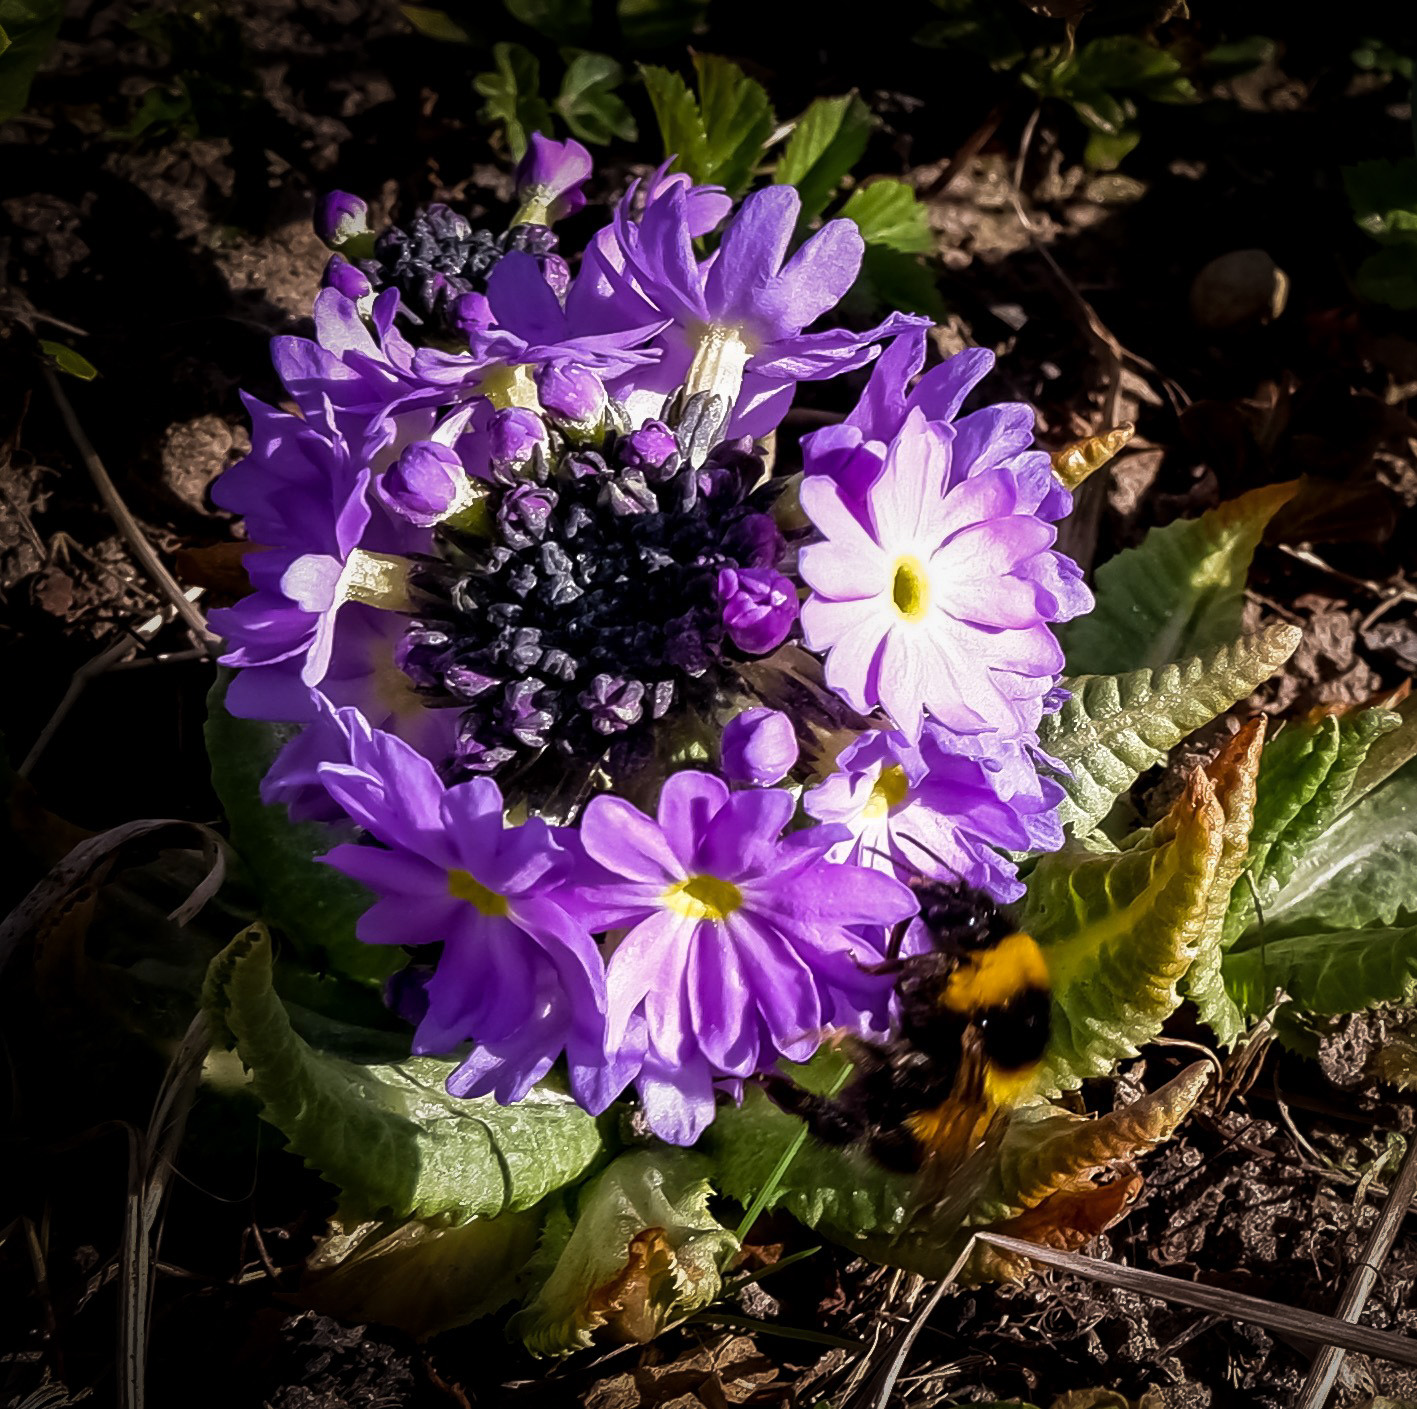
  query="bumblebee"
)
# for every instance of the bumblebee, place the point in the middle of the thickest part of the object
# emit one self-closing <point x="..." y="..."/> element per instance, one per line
<point x="974" y="1025"/>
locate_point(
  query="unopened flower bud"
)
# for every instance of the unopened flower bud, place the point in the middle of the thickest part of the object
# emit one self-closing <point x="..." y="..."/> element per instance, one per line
<point x="759" y="746"/>
<point x="573" y="396"/>
<point x="425" y="483"/>
<point x="759" y="606"/>
<point x="342" y="222"/>
<point x="471" y="313"/>
<point x="513" y="437"/>
<point x="348" y="278"/>
<point x="648" y="447"/>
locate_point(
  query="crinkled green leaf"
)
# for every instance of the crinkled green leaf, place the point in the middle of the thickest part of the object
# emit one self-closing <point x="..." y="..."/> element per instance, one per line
<point x="513" y="94"/>
<point x="644" y="1250"/>
<point x="388" y="1135"/>
<point x="313" y="905"/>
<point x="1115" y="727"/>
<point x="1326" y="972"/>
<point x="1119" y="930"/>
<point x="588" y="102"/>
<point x="840" y="1191"/>
<point x="1180" y="592"/>
<point x="826" y="143"/>
<point x="1307" y="775"/>
<point x="718" y="138"/>
<point x="30" y="27"/>
<point x="420" y="1277"/>
<point x="889" y="213"/>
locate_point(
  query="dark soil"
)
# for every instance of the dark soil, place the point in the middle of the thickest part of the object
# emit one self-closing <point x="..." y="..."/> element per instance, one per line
<point x="169" y="260"/>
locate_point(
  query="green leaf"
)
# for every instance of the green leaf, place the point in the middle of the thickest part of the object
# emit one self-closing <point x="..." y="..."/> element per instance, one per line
<point x="1115" y="727"/>
<point x="1237" y="56"/>
<point x="660" y="24"/>
<point x="1178" y="593"/>
<point x="436" y="24"/>
<point x="513" y="93"/>
<point x="894" y="280"/>
<point x="677" y="113"/>
<point x="889" y="213"/>
<point x="1326" y="972"/>
<point x="30" y="28"/>
<point x="1106" y="151"/>
<point x="1390" y="277"/>
<point x="418" y="1277"/>
<point x="313" y="905"/>
<point x="1383" y="195"/>
<point x="840" y="1191"/>
<point x="1308" y="773"/>
<point x="1127" y="62"/>
<point x="387" y="1134"/>
<point x="67" y="360"/>
<point x="588" y="103"/>
<point x="826" y="143"/>
<point x="644" y="1251"/>
<point x="1119" y="930"/>
<point x="737" y="118"/>
<point x="564" y="21"/>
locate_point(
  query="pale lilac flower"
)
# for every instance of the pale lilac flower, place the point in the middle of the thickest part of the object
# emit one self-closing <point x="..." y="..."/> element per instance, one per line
<point x="934" y="592"/>
<point x="549" y="180"/>
<point x="945" y="807"/>
<point x="739" y="942"/>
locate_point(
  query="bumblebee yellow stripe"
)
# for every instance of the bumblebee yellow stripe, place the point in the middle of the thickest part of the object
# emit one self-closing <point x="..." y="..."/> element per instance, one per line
<point x="990" y="978"/>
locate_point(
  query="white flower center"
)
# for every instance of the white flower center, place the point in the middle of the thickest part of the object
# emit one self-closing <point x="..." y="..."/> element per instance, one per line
<point x="720" y="355"/>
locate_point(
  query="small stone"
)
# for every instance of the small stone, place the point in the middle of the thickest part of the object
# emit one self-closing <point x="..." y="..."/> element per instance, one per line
<point x="1244" y="286"/>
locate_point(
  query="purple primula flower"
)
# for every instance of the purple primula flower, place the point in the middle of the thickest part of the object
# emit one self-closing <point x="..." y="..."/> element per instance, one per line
<point x="758" y="746"/>
<point x="933" y="593"/>
<point x="424" y="484"/>
<point x="549" y="179"/>
<point x="519" y="977"/>
<point x="943" y="807"/>
<point x="571" y="394"/>
<point x="759" y="607"/>
<point x="342" y="219"/>
<point x="349" y="279"/>
<point x="739" y="946"/>
<point x="736" y="319"/>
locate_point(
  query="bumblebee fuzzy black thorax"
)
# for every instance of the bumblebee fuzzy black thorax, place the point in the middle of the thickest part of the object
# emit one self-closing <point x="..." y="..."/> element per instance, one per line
<point x="974" y="1027"/>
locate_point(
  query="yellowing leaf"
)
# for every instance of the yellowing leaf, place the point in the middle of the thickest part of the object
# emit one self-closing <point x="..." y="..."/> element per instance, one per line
<point x="1234" y="775"/>
<point x="1120" y="929"/>
<point x="644" y="1250"/>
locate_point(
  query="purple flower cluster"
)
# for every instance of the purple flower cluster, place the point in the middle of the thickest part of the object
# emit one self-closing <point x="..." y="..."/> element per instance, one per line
<point x="566" y="657"/>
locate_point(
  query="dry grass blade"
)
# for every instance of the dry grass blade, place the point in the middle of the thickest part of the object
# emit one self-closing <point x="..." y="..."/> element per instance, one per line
<point x="128" y="526"/>
<point x="1323" y="1373"/>
<point x="150" y="1158"/>
<point x="1302" y="1325"/>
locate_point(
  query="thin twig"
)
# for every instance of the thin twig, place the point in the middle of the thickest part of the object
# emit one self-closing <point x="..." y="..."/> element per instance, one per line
<point x="127" y="525"/>
<point x="1238" y="1306"/>
<point x="1327" y="1363"/>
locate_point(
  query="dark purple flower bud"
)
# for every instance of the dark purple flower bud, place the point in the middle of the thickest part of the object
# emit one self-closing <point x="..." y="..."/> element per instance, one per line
<point x="514" y="435"/>
<point x="759" y="746"/>
<point x="629" y="494"/>
<point x="649" y="447"/>
<point x="352" y="282"/>
<point x="424" y="483"/>
<point x="471" y="313"/>
<point x="342" y="221"/>
<point x="755" y="542"/>
<point x="572" y="395"/>
<point x="613" y="703"/>
<point x="466" y="682"/>
<point x="759" y="607"/>
<point x="549" y="179"/>
<point x="522" y="514"/>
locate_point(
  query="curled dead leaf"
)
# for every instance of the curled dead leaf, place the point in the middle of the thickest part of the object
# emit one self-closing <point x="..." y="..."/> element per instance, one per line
<point x="1081" y="458"/>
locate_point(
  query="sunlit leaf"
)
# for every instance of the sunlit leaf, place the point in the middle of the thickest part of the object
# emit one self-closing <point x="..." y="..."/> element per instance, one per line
<point x="681" y="128"/>
<point x="1115" y="727"/>
<point x="644" y="1250"/>
<point x="67" y="360"/>
<point x="1178" y="593"/>
<point x="738" y="119"/>
<point x="387" y="1134"/>
<point x="826" y="143"/>
<point x="1234" y="775"/>
<point x="1326" y="972"/>
<point x="890" y="213"/>
<point x="313" y="905"/>
<point x="1120" y="929"/>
